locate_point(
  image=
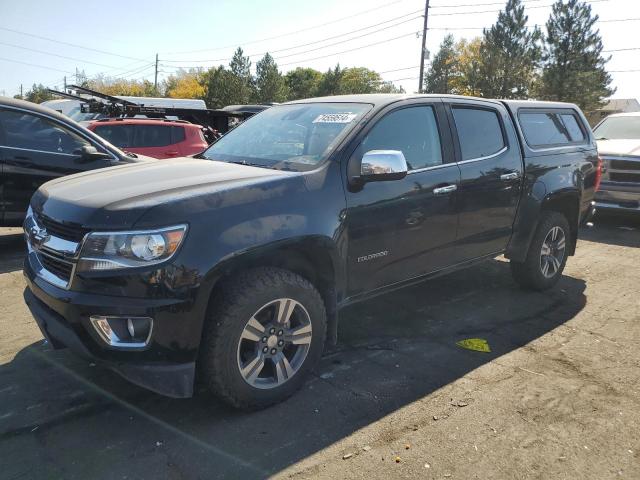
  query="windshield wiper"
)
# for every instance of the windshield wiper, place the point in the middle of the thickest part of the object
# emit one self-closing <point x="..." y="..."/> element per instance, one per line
<point x="602" y="138"/>
<point x="244" y="162"/>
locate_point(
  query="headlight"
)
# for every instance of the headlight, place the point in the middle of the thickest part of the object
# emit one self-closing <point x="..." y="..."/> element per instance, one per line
<point x="118" y="250"/>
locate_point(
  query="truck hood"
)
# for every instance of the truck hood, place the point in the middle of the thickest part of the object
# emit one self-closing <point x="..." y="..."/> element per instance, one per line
<point x="113" y="198"/>
<point x="619" y="147"/>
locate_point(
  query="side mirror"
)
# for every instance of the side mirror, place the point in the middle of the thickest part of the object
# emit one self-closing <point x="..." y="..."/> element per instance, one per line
<point x="89" y="153"/>
<point x="382" y="165"/>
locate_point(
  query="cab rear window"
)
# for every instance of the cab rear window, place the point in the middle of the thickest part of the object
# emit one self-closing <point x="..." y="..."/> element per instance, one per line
<point x="551" y="128"/>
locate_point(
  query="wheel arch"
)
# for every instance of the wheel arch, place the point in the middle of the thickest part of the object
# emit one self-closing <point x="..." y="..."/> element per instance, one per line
<point x="565" y="201"/>
<point x="314" y="258"/>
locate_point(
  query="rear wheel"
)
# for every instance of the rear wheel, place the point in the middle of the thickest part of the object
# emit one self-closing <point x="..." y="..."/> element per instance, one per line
<point x="547" y="254"/>
<point x="265" y="332"/>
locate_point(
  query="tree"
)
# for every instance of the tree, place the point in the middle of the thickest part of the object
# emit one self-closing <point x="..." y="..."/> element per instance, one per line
<point x="359" y="80"/>
<point x="330" y="83"/>
<point x="510" y="54"/>
<point x="121" y="86"/>
<point x="218" y="85"/>
<point x="444" y="68"/>
<point x="469" y="63"/>
<point x="243" y="85"/>
<point x="38" y="94"/>
<point x="270" y="84"/>
<point x="303" y="82"/>
<point x="574" y="68"/>
<point x="185" y="84"/>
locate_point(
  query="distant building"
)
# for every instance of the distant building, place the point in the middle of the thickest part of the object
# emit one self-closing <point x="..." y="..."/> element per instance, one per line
<point x="615" y="105"/>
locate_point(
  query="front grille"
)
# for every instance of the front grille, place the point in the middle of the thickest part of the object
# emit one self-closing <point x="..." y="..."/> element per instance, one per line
<point x="59" y="268"/>
<point x="67" y="231"/>
<point x="625" y="164"/>
<point x="624" y="177"/>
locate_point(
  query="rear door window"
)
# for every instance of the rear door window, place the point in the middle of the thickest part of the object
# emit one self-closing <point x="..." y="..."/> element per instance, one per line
<point x="479" y="132"/>
<point x="152" y="136"/>
<point x="119" y="135"/>
<point x="177" y="134"/>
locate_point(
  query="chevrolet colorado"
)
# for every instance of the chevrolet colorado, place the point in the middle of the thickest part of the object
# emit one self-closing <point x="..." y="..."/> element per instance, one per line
<point x="236" y="264"/>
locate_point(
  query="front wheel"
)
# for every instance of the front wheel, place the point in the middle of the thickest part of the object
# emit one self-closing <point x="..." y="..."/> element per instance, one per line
<point x="265" y="332"/>
<point x="547" y="254"/>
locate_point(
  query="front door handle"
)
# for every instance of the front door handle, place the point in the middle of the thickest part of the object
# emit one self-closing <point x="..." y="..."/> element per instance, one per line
<point x="444" y="190"/>
<point x="509" y="176"/>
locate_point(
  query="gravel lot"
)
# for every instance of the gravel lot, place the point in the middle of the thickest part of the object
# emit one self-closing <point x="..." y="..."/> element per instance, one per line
<point x="557" y="397"/>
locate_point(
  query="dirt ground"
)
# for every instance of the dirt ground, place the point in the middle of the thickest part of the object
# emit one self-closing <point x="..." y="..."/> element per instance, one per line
<point x="557" y="397"/>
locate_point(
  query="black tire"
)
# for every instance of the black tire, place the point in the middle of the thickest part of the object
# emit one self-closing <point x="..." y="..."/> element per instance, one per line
<point x="529" y="274"/>
<point x="231" y="308"/>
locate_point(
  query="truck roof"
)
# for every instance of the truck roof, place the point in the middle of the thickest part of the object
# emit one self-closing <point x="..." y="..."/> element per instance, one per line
<point x="382" y="99"/>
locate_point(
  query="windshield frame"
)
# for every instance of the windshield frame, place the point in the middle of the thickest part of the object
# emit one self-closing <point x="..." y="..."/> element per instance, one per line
<point x="348" y="132"/>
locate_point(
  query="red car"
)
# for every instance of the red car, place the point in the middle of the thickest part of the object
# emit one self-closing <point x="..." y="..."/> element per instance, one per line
<point x="158" y="138"/>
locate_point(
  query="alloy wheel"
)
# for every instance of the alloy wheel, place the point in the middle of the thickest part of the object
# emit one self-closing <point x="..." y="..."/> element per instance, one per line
<point x="552" y="252"/>
<point x="274" y="343"/>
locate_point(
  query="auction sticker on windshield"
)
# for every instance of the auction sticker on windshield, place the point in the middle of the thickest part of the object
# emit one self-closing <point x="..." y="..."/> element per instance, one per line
<point x="335" y="117"/>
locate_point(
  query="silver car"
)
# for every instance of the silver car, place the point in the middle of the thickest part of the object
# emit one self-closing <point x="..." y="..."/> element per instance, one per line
<point x="618" y="138"/>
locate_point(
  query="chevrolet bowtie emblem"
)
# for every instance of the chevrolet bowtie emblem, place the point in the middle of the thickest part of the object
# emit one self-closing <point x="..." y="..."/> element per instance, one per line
<point x="38" y="236"/>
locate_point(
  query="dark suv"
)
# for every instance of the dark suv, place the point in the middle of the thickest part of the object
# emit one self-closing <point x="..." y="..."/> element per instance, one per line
<point x="237" y="263"/>
<point x="38" y="144"/>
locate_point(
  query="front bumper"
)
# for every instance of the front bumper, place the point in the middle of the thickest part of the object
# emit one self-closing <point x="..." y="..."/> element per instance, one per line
<point x="167" y="366"/>
<point x="617" y="197"/>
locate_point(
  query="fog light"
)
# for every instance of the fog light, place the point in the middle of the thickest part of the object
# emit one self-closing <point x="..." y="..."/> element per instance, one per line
<point x="123" y="332"/>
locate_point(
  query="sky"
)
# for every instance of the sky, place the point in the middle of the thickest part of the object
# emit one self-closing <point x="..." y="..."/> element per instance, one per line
<point x="43" y="41"/>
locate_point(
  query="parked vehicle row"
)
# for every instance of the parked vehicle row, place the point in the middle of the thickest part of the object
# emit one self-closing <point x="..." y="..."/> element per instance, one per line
<point x="236" y="263"/>
<point x="38" y="144"/>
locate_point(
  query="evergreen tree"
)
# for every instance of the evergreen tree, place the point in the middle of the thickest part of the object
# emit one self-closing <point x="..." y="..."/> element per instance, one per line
<point x="330" y="83"/>
<point x="242" y="86"/>
<point x="38" y="94"/>
<point x="574" y="68"/>
<point x="219" y="89"/>
<point x="270" y="84"/>
<point x="510" y="55"/>
<point x="444" y="68"/>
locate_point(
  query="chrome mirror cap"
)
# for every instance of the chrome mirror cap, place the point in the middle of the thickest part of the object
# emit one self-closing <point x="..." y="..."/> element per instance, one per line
<point x="381" y="165"/>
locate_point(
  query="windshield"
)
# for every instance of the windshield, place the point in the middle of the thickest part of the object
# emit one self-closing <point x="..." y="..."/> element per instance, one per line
<point x="288" y="137"/>
<point x="618" y="128"/>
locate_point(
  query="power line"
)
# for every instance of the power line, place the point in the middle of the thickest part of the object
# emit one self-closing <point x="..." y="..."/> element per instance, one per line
<point x="621" y="49"/>
<point x="36" y="65"/>
<point x="318" y="41"/>
<point x="533" y="26"/>
<point x="478" y="4"/>
<point x="363" y="12"/>
<point x="498" y="11"/>
<point x="68" y="44"/>
<point x="56" y="55"/>
<point x="351" y="49"/>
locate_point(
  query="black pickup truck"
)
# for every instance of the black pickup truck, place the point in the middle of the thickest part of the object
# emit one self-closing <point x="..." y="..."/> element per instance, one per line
<point x="236" y="264"/>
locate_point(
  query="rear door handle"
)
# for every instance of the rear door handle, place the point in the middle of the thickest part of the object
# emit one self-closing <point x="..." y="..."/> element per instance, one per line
<point x="509" y="176"/>
<point x="172" y="152"/>
<point x="444" y="190"/>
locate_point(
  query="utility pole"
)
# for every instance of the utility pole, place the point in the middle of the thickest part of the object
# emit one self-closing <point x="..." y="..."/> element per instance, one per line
<point x="21" y="91"/>
<point x="423" y="50"/>
<point x="155" y="81"/>
<point x="65" y="83"/>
